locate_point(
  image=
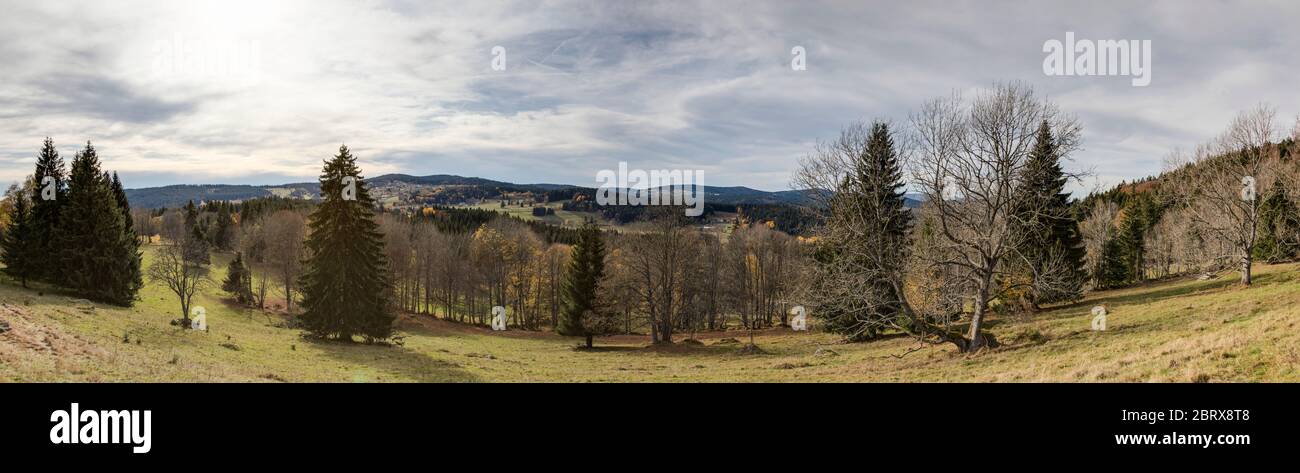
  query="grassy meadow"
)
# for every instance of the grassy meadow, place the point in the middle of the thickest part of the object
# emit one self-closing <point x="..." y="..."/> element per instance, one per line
<point x="562" y="218"/>
<point x="1182" y="330"/>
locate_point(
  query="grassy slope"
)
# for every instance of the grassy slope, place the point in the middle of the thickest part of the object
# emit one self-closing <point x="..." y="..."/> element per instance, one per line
<point x="563" y="218"/>
<point x="1174" y="331"/>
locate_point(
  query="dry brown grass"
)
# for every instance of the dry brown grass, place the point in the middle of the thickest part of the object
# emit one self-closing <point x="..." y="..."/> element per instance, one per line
<point x="1175" y="331"/>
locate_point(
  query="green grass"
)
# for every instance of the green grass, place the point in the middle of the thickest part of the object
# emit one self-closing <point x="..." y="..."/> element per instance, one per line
<point x="563" y="218"/>
<point x="1180" y="331"/>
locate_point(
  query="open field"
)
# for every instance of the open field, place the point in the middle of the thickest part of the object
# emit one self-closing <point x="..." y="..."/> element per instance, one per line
<point x="1179" y="331"/>
<point x="563" y="218"/>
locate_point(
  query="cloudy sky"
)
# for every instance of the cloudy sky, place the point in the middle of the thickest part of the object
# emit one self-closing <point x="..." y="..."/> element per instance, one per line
<point x="261" y="91"/>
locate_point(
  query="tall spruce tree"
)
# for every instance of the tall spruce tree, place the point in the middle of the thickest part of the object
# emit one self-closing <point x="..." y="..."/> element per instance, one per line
<point x="582" y="307"/>
<point x="1279" y="224"/>
<point x="119" y="195"/>
<point x="345" y="285"/>
<point x="1050" y="234"/>
<point x="50" y="193"/>
<point x="239" y="280"/>
<point x="191" y="215"/>
<point x="874" y="222"/>
<point x="1131" y="243"/>
<point x="20" y="249"/>
<point x="99" y="259"/>
<point x="194" y="231"/>
<point x="128" y="223"/>
<point x="1113" y="269"/>
<point x="223" y="229"/>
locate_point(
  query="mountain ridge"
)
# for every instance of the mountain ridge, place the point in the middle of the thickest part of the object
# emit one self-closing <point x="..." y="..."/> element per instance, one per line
<point x="177" y="194"/>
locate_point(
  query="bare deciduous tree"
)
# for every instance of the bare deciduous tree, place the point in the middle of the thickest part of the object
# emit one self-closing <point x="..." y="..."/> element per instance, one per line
<point x="1098" y="229"/>
<point x="173" y="225"/>
<point x="554" y="261"/>
<point x="178" y="265"/>
<point x="1226" y="203"/>
<point x="284" y="232"/>
<point x="1174" y="160"/>
<point x="968" y="164"/>
<point x="656" y="264"/>
<point x="144" y="223"/>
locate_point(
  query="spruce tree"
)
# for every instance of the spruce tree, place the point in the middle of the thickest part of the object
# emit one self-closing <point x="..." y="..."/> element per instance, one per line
<point x="20" y="249"/>
<point x="1113" y="270"/>
<point x="239" y="280"/>
<point x="119" y="195"/>
<point x="1050" y="233"/>
<point x="48" y="197"/>
<point x="191" y="215"/>
<point x="223" y="230"/>
<point x="194" y="231"/>
<point x="98" y="258"/>
<point x="581" y="289"/>
<point x="1279" y="222"/>
<point x="345" y="285"/>
<point x="1131" y="243"/>
<point x="873" y="210"/>
<point x="128" y="224"/>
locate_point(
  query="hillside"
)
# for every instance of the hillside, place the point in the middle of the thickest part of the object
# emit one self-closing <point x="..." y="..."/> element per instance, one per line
<point x="1181" y="330"/>
<point x="407" y="189"/>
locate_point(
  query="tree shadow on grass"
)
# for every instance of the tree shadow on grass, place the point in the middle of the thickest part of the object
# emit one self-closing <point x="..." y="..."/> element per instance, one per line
<point x="609" y="349"/>
<point x="403" y="362"/>
<point x="1147" y="297"/>
<point x="1129" y="328"/>
<point x="430" y="326"/>
<point x="686" y="350"/>
<point x="413" y="327"/>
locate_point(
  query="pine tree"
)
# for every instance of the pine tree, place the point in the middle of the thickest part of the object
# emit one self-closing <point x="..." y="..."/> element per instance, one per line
<point x="239" y="280"/>
<point x="191" y="215"/>
<point x="223" y="230"/>
<point x="582" y="310"/>
<point x="1113" y="269"/>
<point x="1279" y="222"/>
<point x="19" y="247"/>
<point x="48" y="197"/>
<point x="345" y="285"/>
<point x="1131" y="243"/>
<point x="119" y="195"/>
<point x="1050" y="232"/>
<point x="128" y="224"/>
<point x="873" y="210"/>
<point x="194" y="231"/>
<point x="98" y="257"/>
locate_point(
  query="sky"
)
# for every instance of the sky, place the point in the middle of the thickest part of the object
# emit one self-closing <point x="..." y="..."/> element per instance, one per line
<point x="261" y="92"/>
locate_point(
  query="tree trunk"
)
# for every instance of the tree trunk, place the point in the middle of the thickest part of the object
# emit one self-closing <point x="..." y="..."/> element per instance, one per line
<point x="975" y="322"/>
<point x="1028" y="305"/>
<point x="1245" y="269"/>
<point x="977" y="319"/>
<point x="588" y="340"/>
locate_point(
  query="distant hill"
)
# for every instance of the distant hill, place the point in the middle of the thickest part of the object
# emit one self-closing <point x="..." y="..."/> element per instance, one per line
<point x="405" y="187"/>
<point x="177" y="195"/>
<point x="437" y="180"/>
